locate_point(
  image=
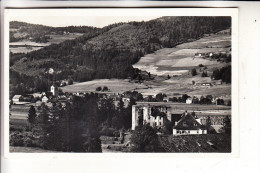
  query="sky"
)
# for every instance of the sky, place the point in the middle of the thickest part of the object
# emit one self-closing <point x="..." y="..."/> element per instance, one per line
<point x="77" y="17"/>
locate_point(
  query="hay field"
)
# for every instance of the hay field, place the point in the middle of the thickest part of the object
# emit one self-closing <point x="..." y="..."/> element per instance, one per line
<point x="115" y="85"/>
<point x="181" y="59"/>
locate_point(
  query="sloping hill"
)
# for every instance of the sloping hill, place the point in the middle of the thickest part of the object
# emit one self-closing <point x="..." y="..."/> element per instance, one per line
<point x="110" y="52"/>
<point x="25" y="37"/>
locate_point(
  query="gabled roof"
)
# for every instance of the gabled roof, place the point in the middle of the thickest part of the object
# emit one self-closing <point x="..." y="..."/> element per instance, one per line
<point x="45" y="98"/>
<point x="190" y="123"/>
<point x="17" y="96"/>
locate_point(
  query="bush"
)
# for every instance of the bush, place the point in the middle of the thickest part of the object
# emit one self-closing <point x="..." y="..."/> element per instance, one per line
<point x="144" y="139"/>
<point x="193" y="72"/>
<point x="16" y="139"/>
<point x="107" y="132"/>
<point x="93" y="144"/>
<point x="98" y="88"/>
<point x="105" y="88"/>
<point x="70" y="82"/>
<point x="28" y="142"/>
<point x="204" y="74"/>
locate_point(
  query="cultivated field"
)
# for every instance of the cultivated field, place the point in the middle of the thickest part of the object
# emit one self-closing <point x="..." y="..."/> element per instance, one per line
<point x="26" y="46"/>
<point x="180" y="60"/>
<point x="115" y="85"/>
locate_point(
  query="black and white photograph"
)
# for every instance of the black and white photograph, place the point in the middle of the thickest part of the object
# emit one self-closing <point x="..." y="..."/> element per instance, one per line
<point x="149" y="83"/>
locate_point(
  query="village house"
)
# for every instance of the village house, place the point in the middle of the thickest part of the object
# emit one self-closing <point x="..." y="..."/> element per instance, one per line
<point x="17" y="98"/>
<point x="206" y="84"/>
<point x="45" y="99"/>
<point x="189" y="100"/>
<point x="37" y="95"/>
<point x="189" y="125"/>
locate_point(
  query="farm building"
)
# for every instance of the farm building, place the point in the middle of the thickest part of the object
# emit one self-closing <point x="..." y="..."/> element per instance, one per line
<point x="189" y="100"/>
<point x="35" y="95"/>
<point x="189" y="125"/>
<point x="204" y="84"/>
<point x="17" y="98"/>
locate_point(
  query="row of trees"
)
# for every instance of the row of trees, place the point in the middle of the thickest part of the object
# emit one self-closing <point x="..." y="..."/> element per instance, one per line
<point x="224" y="73"/>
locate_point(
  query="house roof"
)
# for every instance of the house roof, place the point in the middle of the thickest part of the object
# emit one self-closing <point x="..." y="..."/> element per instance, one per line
<point x="45" y="97"/>
<point x="190" y="123"/>
<point x="17" y="96"/>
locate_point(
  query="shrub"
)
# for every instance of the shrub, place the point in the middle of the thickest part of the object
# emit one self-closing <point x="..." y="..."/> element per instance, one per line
<point x="204" y="74"/>
<point x="193" y="72"/>
<point x="70" y="82"/>
<point x="98" y="88"/>
<point x="105" y="88"/>
<point x="107" y="132"/>
<point x="28" y="142"/>
<point x="16" y="139"/>
<point x="144" y="139"/>
<point x="93" y="144"/>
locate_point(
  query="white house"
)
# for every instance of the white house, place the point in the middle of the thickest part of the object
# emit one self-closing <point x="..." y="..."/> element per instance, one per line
<point x="17" y="98"/>
<point x="189" y="100"/>
<point x="45" y="99"/>
<point x="35" y="95"/>
<point x="188" y="125"/>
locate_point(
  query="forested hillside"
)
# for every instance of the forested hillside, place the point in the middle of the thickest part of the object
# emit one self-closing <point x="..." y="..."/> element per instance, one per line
<point x="40" y="33"/>
<point x="108" y="52"/>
